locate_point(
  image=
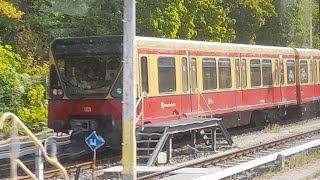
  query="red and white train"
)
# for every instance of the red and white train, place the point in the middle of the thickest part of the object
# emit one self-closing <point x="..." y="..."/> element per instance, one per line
<point x="182" y="79"/>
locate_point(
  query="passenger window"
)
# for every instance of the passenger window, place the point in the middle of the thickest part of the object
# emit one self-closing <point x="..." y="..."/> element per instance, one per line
<point x="311" y="71"/>
<point x="237" y="73"/>
<point x="244" y="73"/>
<point x="255" y="72"/>
<point x="304" y="71"/>
<point x="224" y="73"/>
<point x="281" y="72"/>
<point x="209" y="73"/>
<point x="144" y="74"/>
<point x="267" y="72"/>
<point x="291" y="74"/>
<point x="193" y="74"/>
<point x="318" y="70"/>
<point x="185" y="84"/>
<point x="166" y="68"/>
<point x="277" y="72"/>
<point x="315" y="70"/>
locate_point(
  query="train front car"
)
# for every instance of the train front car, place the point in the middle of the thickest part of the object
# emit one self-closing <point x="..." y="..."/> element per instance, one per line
<point x="86" y="87"/>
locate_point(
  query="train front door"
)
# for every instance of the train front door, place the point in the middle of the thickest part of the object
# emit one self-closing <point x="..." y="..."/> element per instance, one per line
<point x="238" y="72"/>
<point x="193" y="85"/>
<point x="278" y="94"/>
<point x="314" y="77"/>
<point x="189" y="106"/>
<point x="281" y="69"/>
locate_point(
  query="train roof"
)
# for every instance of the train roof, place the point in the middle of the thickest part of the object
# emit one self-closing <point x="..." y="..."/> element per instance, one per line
<point x="192" y="45"/>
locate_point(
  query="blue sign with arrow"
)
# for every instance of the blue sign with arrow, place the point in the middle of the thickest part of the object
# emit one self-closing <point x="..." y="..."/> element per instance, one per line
<point x="94" y="141"/>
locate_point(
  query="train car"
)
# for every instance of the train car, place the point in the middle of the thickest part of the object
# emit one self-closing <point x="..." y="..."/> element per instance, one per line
<point x="308" y="87"/>
<point x="176" y="79"/>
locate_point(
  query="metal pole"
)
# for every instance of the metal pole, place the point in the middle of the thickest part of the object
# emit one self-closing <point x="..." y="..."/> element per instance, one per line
<point x="169" y="149"/>
<point x="94" y="165"/>
<point x="193" y="138"/>
<point x="129" y="92"/>
<point x="311" y="34"/>
<point x="15" y="148"/>
<point x="39" y="164"/>
<point x="214" y="138"/>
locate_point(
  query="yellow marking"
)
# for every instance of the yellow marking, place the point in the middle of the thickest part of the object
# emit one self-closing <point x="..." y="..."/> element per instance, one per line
<point x="129" y="148"/>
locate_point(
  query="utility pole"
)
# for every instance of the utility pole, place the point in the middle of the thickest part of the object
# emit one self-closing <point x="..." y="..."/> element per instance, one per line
<point x="129" y="92"/>
<point x="311" y="34"/>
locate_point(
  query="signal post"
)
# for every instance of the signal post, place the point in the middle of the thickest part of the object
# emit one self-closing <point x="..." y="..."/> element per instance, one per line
<point x="129" y="92"/>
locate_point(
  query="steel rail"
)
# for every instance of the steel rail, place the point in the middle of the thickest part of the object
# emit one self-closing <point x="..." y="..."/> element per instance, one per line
<point x="72" y="168"/>
<point x="27" y="148"/>
<point x="216" y="159"/>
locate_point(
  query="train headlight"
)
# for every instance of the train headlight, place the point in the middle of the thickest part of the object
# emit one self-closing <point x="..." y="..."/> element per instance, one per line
<point x="60" y="92"/>
<point x="55" y="92"/>
<point x="119" y="91"/>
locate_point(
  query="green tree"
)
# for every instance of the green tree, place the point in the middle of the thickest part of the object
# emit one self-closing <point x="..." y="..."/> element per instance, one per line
<point x="185" y="19"/>
<point x="11" y="84"/>
<point x="306" y="10"/>
<point x="35" y="113"/>
<point x="250" y="15"/>
<point x="278" y="30"/>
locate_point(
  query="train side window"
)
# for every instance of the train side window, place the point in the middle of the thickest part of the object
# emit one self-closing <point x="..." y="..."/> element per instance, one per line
<point x="267" y="72"/>
<point x="144" y="74"/>
<point x="281" y="72"/>
<point x="224" y="73"/>
<point x="244" y="73"/>
<point x="193" y="74"/>
<point x="166" y="68"/>
<point x="237" y="73"/>
<point x="291" y="72"/>
<point x="304" y="71"/>
<point x="315" y="70"/>
<point x="277" y="71"/>
<point x="318" y="70"/>
<point x="311" y="71"/>
<point x="255" y="72"/>
<point x="185" y="83"/>
<point x="209" y="73"/>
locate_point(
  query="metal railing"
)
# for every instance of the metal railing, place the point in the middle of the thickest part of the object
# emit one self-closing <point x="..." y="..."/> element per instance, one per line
<point x="141" y="101"/>
<point x="14" y="161"/>
<point x="199" y="97"/>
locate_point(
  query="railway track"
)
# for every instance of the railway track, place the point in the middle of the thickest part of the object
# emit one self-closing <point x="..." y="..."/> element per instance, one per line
<point x="28" y="149"/>
<point x="240" y="156"/>
<point x="88" y="165"/>
<point x="75" y="169"/>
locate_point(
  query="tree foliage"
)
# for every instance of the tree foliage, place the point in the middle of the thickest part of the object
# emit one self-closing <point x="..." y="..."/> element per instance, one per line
<point x="250" y="15"/>
<point x="8" y="10"/>
<point x="185" y="19"/>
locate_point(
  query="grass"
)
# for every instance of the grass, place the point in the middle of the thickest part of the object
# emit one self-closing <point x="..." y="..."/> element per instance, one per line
<point x="273" y="128"/>
<point x="316" y="175"/>
<point x="298" y="160"/>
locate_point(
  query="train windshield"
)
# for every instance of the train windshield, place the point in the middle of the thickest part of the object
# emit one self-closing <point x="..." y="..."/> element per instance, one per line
<point x="87" y="67"/>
